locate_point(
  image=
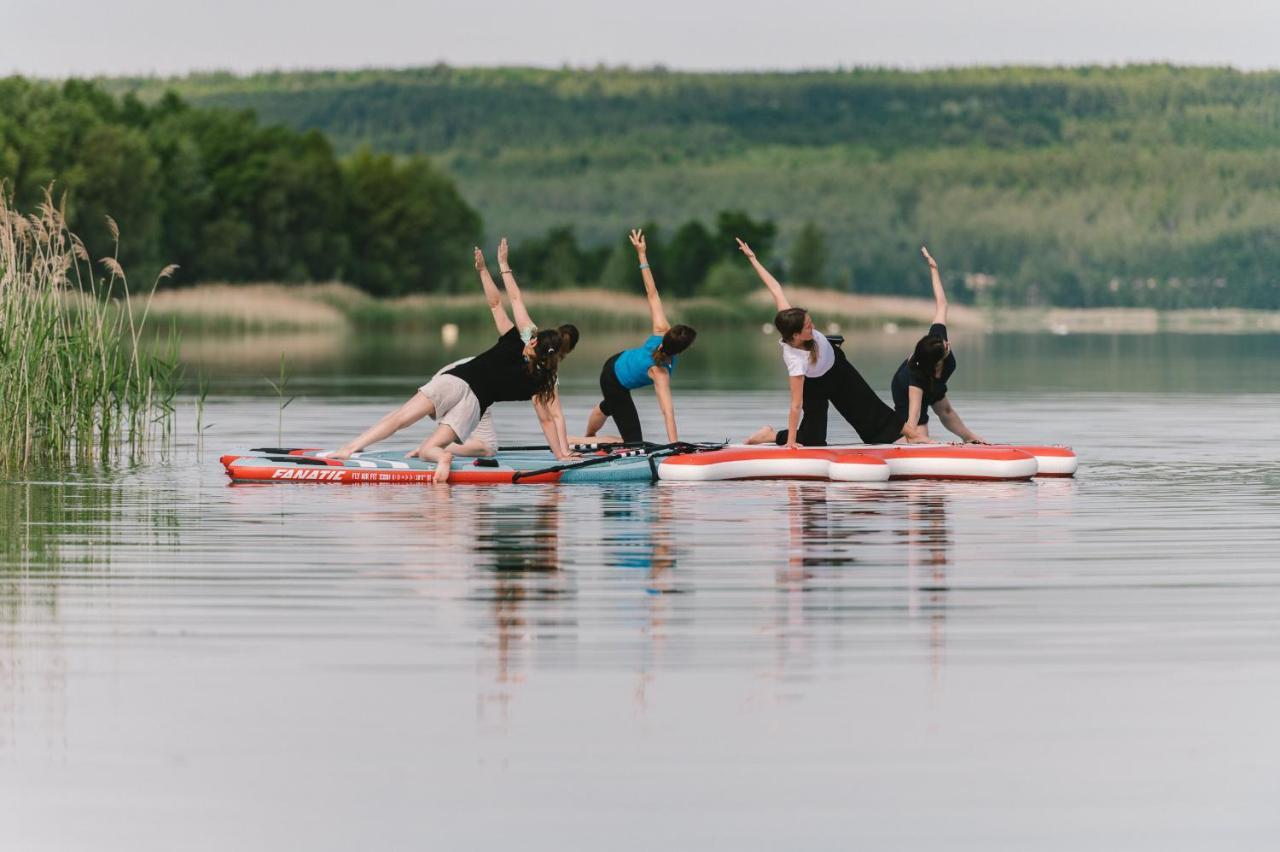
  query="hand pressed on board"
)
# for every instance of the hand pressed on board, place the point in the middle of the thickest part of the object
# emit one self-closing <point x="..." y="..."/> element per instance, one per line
<point x="744" y="248"/>
<point x="794" y="445"/>
<point x="637" y="240"/>
<point x="933" y="264"/>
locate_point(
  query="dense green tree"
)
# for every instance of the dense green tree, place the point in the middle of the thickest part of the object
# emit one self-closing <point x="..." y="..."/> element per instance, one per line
<point x="732" y="225"/>
<point x="227" y="198"/>
<point x="808" y="257"/>
<point x="690" y="256"/>
<point x="553" y="260"/>
<point x="730" y="279"/>
<point x="409" y="229"/>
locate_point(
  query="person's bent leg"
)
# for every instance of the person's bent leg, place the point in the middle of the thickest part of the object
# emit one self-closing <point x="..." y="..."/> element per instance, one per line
<point x="626" y="418"/>
<point x="433" y="450"/>
<point x="866" y="412"/>
<point x="483" y="440"/>
<point x="618" y="404"/>
<point x="596" y="440"/>
<point x="418" y="407"/>
<point x="596" y="419"/>
<point x="472" y="447"/>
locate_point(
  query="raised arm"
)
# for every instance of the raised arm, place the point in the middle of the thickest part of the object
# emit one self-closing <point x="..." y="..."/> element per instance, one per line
<point x="775" y="289"/>
<point x="491" y="295"/>
<point x="513" y="289"/>
<point x="939" y="294"/>
<point x="659" y="316"/>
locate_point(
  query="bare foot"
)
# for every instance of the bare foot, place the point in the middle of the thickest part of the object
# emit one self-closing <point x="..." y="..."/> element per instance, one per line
<point x="442" y="468"/>
<point x="763" y="435"/>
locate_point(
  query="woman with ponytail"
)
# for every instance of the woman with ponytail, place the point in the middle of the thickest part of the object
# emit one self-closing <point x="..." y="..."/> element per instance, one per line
<point x="650" y="363"/>
<point x="522" y="365"/>
<point x="921" y="381"/>
<point x="819" y="374"/>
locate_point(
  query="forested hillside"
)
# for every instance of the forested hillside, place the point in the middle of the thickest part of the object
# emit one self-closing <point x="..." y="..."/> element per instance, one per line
<point x="226" y="197"/>
<point x="1090" y="186"/>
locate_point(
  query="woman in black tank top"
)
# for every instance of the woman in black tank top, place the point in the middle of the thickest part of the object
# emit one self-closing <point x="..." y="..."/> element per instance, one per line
<point x="517" y="367"/>
<point x="920" y="382"/>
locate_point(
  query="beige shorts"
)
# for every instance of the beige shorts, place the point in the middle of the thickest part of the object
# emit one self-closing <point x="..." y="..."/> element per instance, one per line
<point x="455" y="403"/>
<point x="485" y="433"/>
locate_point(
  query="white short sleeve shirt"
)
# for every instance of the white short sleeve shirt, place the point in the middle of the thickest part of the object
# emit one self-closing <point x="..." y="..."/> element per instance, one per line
<point x="798" y="363"/>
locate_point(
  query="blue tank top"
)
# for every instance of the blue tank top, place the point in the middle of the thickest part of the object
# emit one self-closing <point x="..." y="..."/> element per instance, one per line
<point x="632" y="366"/>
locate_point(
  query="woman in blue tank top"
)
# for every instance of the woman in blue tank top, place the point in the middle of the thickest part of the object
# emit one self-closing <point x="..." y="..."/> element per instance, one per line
<point x="650" y="363"/>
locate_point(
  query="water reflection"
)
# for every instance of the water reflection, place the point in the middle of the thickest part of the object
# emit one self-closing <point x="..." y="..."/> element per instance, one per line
<point x="36" y="518"/>
<point x="518" y="562"/>
<point x="928" y="556"/>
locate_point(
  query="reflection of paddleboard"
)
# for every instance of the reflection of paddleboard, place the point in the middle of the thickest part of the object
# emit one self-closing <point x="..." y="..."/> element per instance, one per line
<point x="855" y="463"/>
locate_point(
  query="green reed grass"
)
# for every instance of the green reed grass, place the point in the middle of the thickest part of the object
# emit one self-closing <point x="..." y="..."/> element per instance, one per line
<point x="75" y="385"/>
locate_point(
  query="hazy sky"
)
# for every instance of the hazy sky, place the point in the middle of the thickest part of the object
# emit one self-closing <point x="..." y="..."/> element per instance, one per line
<point x="63" y="37"/>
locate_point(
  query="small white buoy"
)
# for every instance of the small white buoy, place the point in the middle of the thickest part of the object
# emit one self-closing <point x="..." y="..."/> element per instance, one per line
<point x="891" y="328"/>
<point x="833" y="328"/>
<point x="1059" y="329"/>
<point x="766" y="328"/>
<point x="449" y="334"/>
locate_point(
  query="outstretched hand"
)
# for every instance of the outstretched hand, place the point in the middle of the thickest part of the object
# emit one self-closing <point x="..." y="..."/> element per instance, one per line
<point x="637" y="240"/>
<point x="479" y="260"/>
<point x="933" y="264"/>
<point x="502" y="252"/>
<point x="744" y="248"/>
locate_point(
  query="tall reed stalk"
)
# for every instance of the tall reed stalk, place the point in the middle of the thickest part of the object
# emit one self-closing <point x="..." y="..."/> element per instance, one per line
<point x="76" y="383"/>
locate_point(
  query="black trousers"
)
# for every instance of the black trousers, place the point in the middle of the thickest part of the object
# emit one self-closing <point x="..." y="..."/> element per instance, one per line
<point x="844" y="387"/>
<point x="618" y="404"/>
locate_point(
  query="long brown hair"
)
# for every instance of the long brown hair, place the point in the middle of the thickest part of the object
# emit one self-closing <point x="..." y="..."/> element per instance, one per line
<point x="548" y="349"/>
<point x="924" y="361"/>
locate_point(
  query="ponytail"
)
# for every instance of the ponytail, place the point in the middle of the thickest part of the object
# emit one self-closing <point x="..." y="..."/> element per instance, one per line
<point x="542" y="367"/>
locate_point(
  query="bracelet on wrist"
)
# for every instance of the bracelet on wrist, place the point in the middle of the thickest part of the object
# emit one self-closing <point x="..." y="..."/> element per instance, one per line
<point x="502" y="271"/>
<point x="644" y="266"/>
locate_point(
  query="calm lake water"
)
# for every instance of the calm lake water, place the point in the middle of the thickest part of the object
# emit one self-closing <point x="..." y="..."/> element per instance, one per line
<point x="1082" y="664"/>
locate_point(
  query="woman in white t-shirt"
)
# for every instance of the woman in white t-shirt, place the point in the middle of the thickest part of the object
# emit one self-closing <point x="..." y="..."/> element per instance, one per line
<point x="819" y="374"/>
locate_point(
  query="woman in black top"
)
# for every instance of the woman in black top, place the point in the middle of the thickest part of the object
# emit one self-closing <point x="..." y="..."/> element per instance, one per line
<point x="921" y="381"/>
<point x="519" y="366"/>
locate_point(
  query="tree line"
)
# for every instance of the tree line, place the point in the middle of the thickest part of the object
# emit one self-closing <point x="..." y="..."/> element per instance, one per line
<point x="1148" y="186"/>
<point x="228" y="198"/>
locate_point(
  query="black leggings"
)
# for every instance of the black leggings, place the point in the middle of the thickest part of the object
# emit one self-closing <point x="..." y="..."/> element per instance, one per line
<point x="844" y="387"/>
<point x="618" y="404"/>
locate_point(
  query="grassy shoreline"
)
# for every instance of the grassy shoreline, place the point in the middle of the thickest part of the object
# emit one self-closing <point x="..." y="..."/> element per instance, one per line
<point x="334" y="307"/>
